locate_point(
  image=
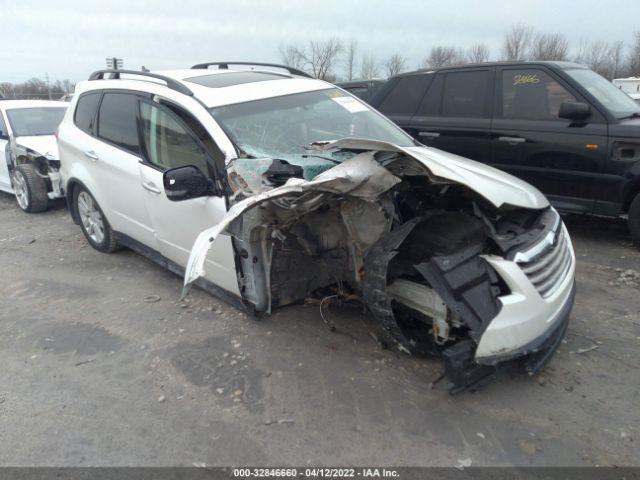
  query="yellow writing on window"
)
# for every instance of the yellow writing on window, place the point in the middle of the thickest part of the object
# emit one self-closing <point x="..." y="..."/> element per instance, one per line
<point x="525" y="79"/>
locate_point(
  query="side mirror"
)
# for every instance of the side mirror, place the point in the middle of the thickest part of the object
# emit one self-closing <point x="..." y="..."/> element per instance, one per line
<point x="184" y="183"/>
<point x="574" y="110"/>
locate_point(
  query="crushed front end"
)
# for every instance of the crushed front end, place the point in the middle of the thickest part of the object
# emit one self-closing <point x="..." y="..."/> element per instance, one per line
<point x="445" y="268"/>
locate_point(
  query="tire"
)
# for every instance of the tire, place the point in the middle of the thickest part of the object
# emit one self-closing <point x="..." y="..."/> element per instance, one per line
<point x="30" y="189"/>
<point x="94" y="224"/>
<point x="634" y="220"/>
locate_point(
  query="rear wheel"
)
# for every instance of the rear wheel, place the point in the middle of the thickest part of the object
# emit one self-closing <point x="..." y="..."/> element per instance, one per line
<point x="30" y="189"/>
<point x="634" y="220"/>
<point x="93" y="223"/>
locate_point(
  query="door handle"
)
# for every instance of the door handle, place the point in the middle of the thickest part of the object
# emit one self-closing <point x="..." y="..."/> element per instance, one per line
<point x="151" y="187"/>
<point x="512" y="140"/>
<point x="429" y="134"/>
<point x="91" y="154"/>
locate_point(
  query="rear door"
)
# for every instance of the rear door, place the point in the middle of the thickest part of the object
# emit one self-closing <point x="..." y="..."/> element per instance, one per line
<point x="113" y="158"/>
<point x="455" y="114"/>
<point x="5" y="154"/>
<point x="563" y="159"/>
<point x="172" y="138"/>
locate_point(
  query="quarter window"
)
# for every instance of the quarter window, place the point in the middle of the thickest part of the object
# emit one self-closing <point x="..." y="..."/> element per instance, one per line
<point x="117" y="121"/>
<point x="86" y="111"/>
<point x="465" y="94"/>
<point x="530" y="94"/>
<point x="167" y="142"/>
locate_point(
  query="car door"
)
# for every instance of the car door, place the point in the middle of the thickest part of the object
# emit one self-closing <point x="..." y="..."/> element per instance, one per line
<point x="5" y="155"/>
<point x="170" y="140"/>
<point x="455" y="114"/>
<point x="113" y="158"/>
<point x="563" y="159"/>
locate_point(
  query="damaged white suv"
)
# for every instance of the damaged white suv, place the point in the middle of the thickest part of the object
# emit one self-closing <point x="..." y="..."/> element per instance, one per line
<point x="266" y="187"/>
<point x="29" y="163"/>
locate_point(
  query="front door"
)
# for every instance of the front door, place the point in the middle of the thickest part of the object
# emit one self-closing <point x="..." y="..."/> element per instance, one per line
<point x="170" y="141"/>
<point x="563" y="159"/>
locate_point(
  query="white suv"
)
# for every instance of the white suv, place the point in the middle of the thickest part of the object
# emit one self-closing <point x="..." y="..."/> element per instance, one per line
<point x="268" y="187"/>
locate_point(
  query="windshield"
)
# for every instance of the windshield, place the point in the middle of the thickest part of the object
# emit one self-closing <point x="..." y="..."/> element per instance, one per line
<point x="618" y="103"/>
<point x="281" y="127"/>
<point x="35" y="121"/>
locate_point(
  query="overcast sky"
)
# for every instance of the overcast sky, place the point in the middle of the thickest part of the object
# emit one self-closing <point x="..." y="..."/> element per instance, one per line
<point x="71" y="38"/>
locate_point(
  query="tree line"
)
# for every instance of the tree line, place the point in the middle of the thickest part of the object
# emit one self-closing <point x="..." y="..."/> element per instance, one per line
<point x="335" y="59"/>
<point x="36" y="88"/>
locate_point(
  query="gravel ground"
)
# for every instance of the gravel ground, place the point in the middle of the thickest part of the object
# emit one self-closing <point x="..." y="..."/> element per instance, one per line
<point x="92" y="374"/>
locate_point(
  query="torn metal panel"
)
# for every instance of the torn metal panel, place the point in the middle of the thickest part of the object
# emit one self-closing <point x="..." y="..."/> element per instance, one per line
<point x="360" y="177"/>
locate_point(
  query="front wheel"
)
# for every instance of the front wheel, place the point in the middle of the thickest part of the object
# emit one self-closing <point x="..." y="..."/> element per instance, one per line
<point x="30" y="189"/>
<point x="634" y="220"/>
<point x="93" y="223"/>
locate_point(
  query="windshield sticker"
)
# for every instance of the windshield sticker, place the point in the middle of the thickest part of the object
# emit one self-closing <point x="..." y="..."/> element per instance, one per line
<point x="526" y="79"/>
<point x="350" y="104"/>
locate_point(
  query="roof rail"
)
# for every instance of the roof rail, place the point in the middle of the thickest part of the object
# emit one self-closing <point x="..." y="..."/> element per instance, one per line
<point x="172" y="83"/>
<point x="225" y="66"/>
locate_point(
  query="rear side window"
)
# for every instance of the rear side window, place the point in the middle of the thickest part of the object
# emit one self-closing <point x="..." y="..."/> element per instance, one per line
<point x="86" y="112"/>
<point x="432" y="100"/>
<point x="405" y="95"/>
<point x="3" y="128"/>
<point x="531" y="94"/>
<point x="117" y="121"/>
<point x="465" y="94"/>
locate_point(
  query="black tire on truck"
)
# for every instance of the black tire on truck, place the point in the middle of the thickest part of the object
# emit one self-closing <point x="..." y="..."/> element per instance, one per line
<point x="634" y="220"/>
<point x="30" y="189"/>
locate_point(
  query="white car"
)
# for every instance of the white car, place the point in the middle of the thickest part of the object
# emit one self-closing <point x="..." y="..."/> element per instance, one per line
<point x="29" y="161"/>
<point x="267" y="187"/>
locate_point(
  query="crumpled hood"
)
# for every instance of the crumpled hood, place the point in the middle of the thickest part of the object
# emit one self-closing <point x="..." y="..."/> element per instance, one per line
<point x="498" y="187"/>
<point x="45" y="145"/>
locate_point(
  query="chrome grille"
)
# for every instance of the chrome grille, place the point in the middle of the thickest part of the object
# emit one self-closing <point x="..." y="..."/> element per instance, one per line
<point x="551" y="263"/>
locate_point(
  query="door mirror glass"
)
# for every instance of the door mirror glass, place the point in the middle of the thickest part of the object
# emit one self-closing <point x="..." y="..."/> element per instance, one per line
<point x="183" y="183"/>
<point x="574" y="110"/>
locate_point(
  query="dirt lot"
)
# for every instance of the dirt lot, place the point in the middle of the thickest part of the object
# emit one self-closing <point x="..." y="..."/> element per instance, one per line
<point x="92" y="374"/>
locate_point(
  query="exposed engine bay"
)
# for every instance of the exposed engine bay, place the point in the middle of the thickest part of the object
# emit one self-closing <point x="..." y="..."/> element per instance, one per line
<point x="382" y="228"/>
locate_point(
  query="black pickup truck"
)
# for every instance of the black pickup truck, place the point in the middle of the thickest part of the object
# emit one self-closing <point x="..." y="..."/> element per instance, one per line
<point x="557" y="125"/>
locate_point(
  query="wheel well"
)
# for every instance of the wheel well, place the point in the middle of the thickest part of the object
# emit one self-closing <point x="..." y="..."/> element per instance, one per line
<point x="630" y="196"/>
<point x="71" y="186"/>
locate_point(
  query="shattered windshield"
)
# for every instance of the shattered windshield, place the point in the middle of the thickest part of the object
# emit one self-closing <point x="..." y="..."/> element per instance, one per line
<point x="284" y="127"/>
<point x="35" y="121"/>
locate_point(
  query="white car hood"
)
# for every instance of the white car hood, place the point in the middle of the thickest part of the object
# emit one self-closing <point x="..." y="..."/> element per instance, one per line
<point x="498" y="187"/>
<point x="45" y="145"/>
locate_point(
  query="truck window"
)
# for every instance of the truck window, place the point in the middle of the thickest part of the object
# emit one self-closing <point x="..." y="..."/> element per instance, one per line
<point x="531" y="94"/>
<point x="465" y="94"/>
<point x="405" y="95"/>
<point x="433" y="99"/>
<point x="117" y="121"/>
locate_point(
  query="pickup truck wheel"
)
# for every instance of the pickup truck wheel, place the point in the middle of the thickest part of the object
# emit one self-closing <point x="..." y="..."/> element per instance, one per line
<point x="634" y="220"/>
<point x="93" y="223"/>
<point x="30" y="189"/>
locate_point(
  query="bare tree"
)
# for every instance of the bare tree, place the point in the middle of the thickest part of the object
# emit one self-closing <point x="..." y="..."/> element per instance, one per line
<point x="633" y="63"/>
<point x="369" y="67"/>
<point x="597" y="58"/>
<point x="549" y="46"/>
<point x="395" y="64"/>
<point x="478" y="53"/>
<point x="616" y="59"/>
<point x="517" y="41"/>
<point x="581" y="52"/>
<point x="350" y="58"/>
<point x="441" y="56"/>
<point x="321" y="56"/>
<point x="291" y="55"/>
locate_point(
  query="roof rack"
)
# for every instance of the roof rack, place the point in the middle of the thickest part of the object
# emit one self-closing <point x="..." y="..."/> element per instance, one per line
<point x="225" y="66"/>
<point x="172" y="83"/>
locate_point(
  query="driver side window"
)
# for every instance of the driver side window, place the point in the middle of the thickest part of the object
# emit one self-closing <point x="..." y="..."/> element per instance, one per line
<point x="168" y="143"/>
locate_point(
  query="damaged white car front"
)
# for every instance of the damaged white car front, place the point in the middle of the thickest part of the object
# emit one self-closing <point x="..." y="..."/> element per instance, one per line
<point x="451" y="257"/>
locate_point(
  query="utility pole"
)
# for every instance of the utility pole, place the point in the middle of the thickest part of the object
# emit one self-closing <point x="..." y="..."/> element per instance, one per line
<point x="46" y="76"/>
